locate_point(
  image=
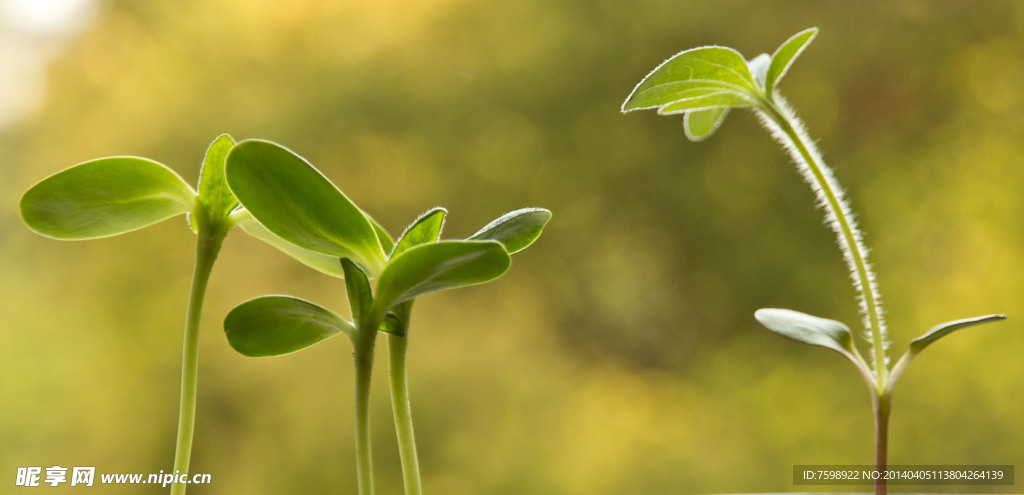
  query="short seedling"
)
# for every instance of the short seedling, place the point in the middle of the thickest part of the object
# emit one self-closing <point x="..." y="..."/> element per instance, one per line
<point x="111" y="196"/>
<point x="703" y="84"/>
<point x="294" y="207"/>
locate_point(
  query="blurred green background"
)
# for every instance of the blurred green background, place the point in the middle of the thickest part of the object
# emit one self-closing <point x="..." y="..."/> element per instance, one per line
<point x="620" y="354"/>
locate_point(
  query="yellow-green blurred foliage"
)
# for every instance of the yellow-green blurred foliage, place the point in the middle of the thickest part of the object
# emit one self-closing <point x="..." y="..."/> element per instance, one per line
<point x="619" y="355"/>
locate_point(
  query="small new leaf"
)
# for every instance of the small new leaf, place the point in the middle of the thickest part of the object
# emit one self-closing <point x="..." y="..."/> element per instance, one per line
<point x="759" y="68"/>
<point x="516" y="230"/>
<point x="276" y="325"/>
<point x="700" y="124"/>
<point x="105" y="197"/>
<point x="393" y="325"/>
<point x="785" y="55"/>
<point x="360" y="297"/>
<point x="426" y="228"/>
<point x="397" y="320"/>
<point x="215" y="200"/>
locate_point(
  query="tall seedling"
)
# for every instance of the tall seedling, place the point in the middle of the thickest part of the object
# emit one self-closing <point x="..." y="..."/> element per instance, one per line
<point x="705" y="83"/>
<point x="114" y="195"/>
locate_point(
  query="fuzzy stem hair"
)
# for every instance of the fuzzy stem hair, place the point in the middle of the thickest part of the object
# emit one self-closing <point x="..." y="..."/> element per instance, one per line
<point x="777" y="116"/>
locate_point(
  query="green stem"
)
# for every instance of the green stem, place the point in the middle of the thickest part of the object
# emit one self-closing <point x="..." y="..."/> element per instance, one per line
<point x="397" y="347"/>
<point x="881" y="406"/>
<point x="802" y="152"/>
<point x="853" y="249"/>
<point x="207" y="247"/>
<point x="364" y="368"/>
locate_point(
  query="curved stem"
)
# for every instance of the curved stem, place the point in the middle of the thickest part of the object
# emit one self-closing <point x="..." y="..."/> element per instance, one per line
<point x="364" y="368"/>
<point x="397" y="347"/>
<point x="207" y="247"/>
<point x="788" y="130"/>
<point x="801" y="149"/>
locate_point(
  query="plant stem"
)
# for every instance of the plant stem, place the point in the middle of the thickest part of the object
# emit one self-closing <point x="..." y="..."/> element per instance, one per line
<point x="397" y="347"/>
<point x="207" y="247"/>
<point x="788" y="130"/>
<point x="364" y="367"/>
<point x="800" y="148"/>
<point x="881" y="406"/>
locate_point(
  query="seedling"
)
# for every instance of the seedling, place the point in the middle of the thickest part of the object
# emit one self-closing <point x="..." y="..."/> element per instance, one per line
<point x="294" y="207"/>
<point x="111" y="196"/>
<point x="703" y="84"/>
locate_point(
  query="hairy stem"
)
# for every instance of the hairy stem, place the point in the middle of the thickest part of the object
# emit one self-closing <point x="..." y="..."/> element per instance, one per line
<point x="364" y="368"/>
<point x="397" y="346"/>
<point x="786" y="128"/>
<point x="207" y="247"/>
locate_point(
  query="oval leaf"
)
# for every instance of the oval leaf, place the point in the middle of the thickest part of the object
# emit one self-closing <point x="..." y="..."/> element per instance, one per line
<point x="289" y="197"/>
<point x="710" y="68"/>
<point x="699" y="124"/>
<point x="808" y="329"/>
<point x="323" y="263"/>
<point x="437" y="266"/>
<point x="516" y="230"/>
<point x="105" y="197"/>
<point x="275" y="325"/>
<point x="785" y="55"/>
<point x="426" y="228"/>
<point x="215" y="199"/>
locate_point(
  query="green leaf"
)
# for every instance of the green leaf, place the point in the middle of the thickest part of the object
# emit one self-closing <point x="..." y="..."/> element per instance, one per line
<point x="275" y="325"/>
<point x="785" y="55"/>
<point x="215" y="200"/>
<point x="688" y="73"/>
<point x="516" y="230"/>
<point x="935" y="333"/>
<point x="939" y="331"/>
<point x="437" y="266"/>
<point x="323" y="263"/>
<point x="704" y="100"/>
<point x="360" y="298"/>
<point x="426" y="228"/>
<point x="105" y="197"/>
<point x="297" y="203"/>
<point x="808" y="329"/>
<point x="699" y="124"/>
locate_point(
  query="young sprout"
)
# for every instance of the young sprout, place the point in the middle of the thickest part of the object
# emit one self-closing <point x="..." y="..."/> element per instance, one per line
<point x="294" y="207"/>
<point x="111" y="196"/>
<point x="703" y="84"/>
